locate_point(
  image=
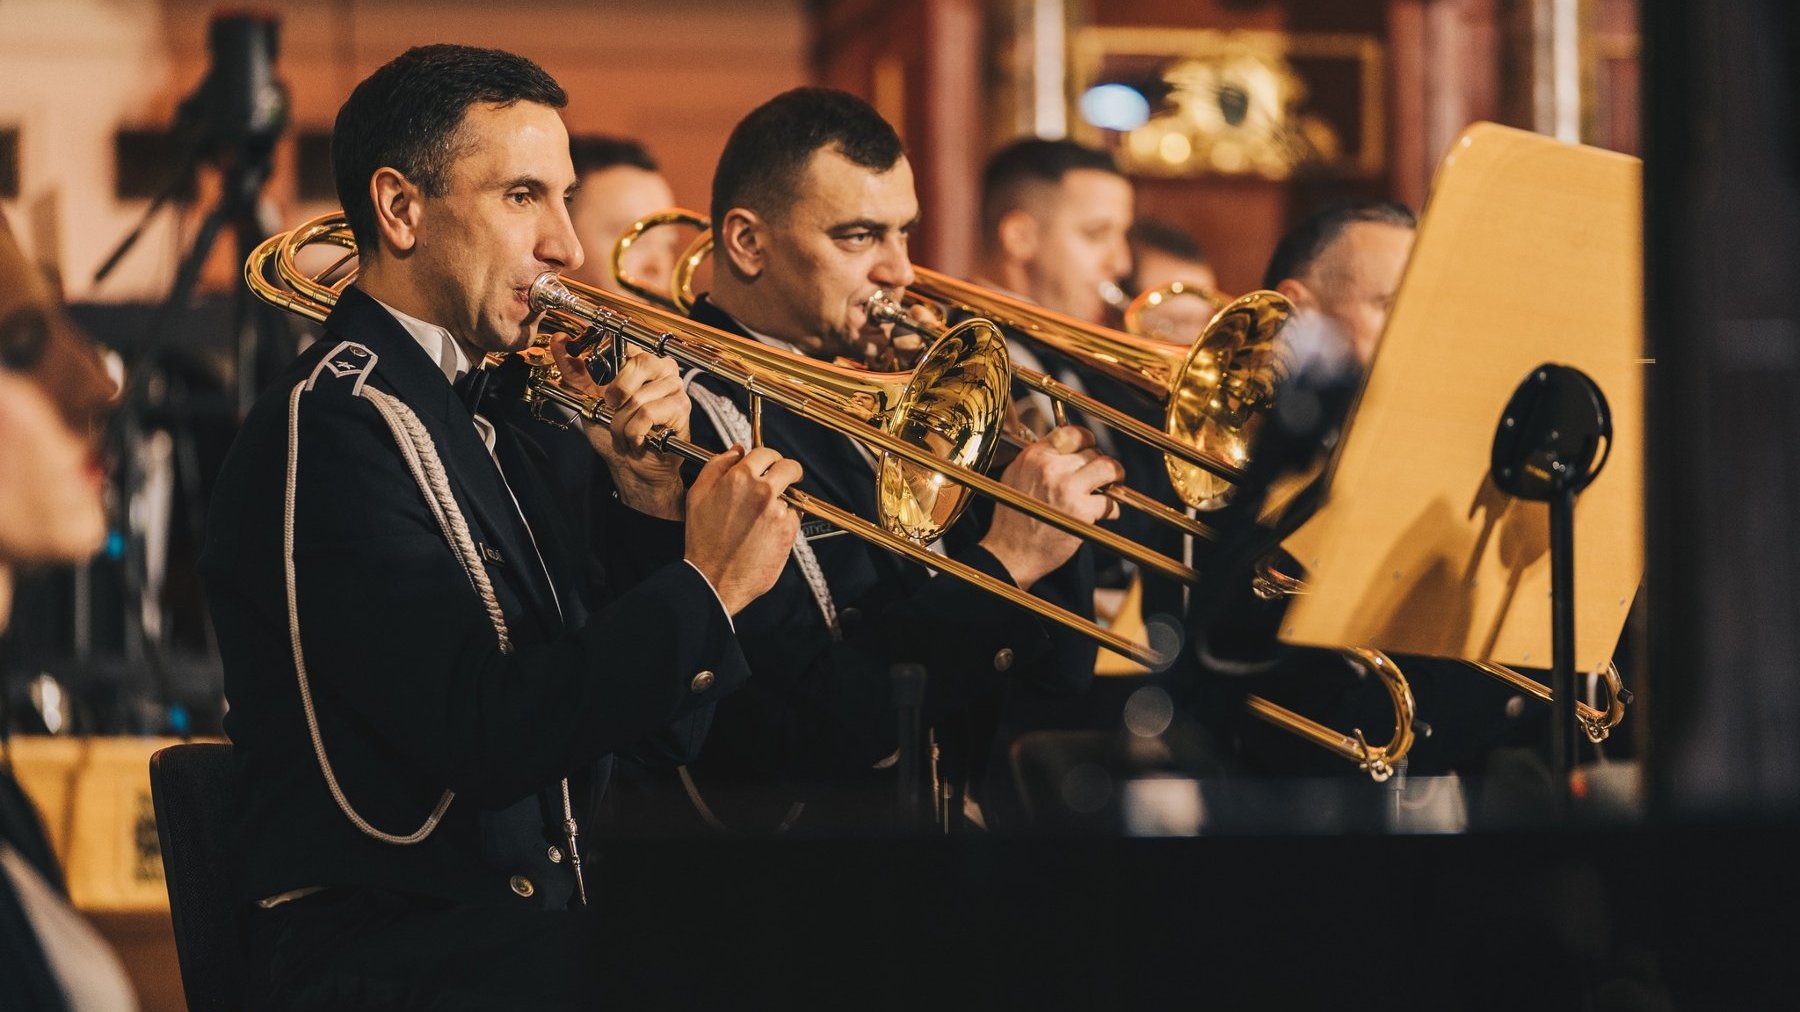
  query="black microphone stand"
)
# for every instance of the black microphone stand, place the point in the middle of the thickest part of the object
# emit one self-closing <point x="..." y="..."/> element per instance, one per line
<point x="232" y="120"/>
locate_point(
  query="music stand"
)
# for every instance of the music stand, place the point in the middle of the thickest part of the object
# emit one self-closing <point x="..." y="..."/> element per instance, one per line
<point x="1529" y="251"/>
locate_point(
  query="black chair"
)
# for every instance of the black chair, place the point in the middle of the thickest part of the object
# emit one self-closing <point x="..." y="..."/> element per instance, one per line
<point x="191" y="787"/>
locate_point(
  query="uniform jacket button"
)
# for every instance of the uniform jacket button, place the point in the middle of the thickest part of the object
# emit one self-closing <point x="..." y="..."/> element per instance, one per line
<point x="702" y="681"/>
<point x="1003" y="660"/>
<point x="521" y="885"/>
<point x="556" y="855"/>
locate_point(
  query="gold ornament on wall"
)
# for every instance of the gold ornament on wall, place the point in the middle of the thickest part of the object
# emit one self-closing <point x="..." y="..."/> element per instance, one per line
<point x="1250" y="103"/>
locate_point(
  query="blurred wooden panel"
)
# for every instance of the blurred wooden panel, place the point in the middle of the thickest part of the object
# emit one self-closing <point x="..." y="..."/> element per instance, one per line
<point x="145" y="943"/>
<point x="677" y="75"/>
<point x="93" y="795"/>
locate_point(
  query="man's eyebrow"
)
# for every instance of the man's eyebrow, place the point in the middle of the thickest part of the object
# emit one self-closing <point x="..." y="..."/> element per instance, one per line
<point x="529" y="182"/>
<point x="859" y="225"/>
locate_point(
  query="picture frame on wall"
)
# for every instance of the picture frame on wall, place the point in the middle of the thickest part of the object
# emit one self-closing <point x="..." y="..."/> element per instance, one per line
<point x="1198" y="103"/>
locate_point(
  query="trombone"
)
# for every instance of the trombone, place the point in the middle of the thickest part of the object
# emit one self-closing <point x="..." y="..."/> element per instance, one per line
<point x="1133" y="311"/>
<point x="933" y="426"/>
<point x="1214" y="390"/>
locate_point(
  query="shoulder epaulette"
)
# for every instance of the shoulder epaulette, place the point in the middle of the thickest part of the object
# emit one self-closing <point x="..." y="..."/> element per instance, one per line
<point x="349" y="363"/>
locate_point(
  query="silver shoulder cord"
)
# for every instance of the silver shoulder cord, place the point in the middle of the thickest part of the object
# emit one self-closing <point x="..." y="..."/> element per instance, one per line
<point x="427" y="469"/>
<point x="734" y="428"/>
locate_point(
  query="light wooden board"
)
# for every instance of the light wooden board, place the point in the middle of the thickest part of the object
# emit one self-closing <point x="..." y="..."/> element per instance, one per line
<point x="1529" y="251"/>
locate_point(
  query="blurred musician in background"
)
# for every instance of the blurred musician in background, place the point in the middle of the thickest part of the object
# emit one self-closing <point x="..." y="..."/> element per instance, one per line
<point x="1341" y="265"/>
<point x="1163" y="253"/>
<point x="620" y="183"/>
<point x="812" y="207"/>
<point x="54" y="394"/>
<point x="1054" y="215"/>
<point x="427" y="686"/>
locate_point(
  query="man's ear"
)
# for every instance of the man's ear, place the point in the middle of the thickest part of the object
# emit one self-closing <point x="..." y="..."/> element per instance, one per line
<point x="1018" y="232"/>
<point x="398" y="209"/>
<point x="742" y="241"/>
<point x="1296" y="292"/>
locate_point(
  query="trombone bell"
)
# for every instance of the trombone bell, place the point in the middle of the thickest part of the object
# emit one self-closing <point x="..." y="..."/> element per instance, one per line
<point x="1219" y="394"/>
<point x="952" y="408"/>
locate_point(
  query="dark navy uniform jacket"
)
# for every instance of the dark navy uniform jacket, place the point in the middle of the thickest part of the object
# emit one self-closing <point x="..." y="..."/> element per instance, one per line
<point x="413" y="693"/>
<point x="820" y="712"/>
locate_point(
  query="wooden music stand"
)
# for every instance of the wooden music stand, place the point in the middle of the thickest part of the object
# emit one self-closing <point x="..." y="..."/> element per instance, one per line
<point x="1529" y="251"/>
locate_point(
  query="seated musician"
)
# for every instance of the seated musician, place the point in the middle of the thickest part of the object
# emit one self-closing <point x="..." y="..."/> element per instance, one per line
<point x="1341" y="267"/>
<point x="620" y="183"/>
<point x="813" y="204"/>
<point x="1054" y="216"/>
<point x="1055" y="219"/>
<point x="425" y="688"/>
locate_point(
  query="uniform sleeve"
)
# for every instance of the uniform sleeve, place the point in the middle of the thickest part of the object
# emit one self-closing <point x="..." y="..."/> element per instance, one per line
<point x="821" y="704"/>
<point x="395" y="636"/>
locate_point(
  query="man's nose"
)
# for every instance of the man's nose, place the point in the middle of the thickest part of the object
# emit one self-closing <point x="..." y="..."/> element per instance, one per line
<point x="893" y="269"/>
<point x="1118" y="260"/>
<point x="559" y="246"/>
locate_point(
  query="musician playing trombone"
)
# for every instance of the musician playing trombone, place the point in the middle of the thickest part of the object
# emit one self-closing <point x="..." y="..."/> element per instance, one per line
<point x="1055" y="220"/>
<point x="812" y="207"/>
<point x="425" y="688"/>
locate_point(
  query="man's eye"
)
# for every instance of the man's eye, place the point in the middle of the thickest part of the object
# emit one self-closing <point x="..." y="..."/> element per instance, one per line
<point x="519" y="197"/>
<point x="857" y="239"/>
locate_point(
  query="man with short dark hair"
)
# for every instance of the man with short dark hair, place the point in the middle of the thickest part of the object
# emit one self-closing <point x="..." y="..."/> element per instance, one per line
<point x="1342" y="265"/>
<point x="812" y="205"/>
<point x="1054" y="215"/>
<point x="426" y="686"/>
<point x="620" y="183"/>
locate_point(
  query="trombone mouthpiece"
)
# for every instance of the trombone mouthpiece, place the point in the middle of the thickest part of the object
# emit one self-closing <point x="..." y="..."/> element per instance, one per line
<point x="548" y="292"/>
<point x="1114" y="296"/>
<point x="881" y="306"/>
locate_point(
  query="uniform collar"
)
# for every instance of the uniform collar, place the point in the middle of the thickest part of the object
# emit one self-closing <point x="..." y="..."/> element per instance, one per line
<point x="451" y="358"/>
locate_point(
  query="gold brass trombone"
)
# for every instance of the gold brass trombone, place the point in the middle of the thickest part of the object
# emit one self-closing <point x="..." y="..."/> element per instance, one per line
<point x="680" y="298"/>
<point x="688" y="262"/>
<point x="1134" y="313"/>
<point x="1213" y="390"/>
<point x="933" y="427"/>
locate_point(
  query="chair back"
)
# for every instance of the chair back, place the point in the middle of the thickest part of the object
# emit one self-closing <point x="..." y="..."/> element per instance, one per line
<point x="191" y="788"/>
